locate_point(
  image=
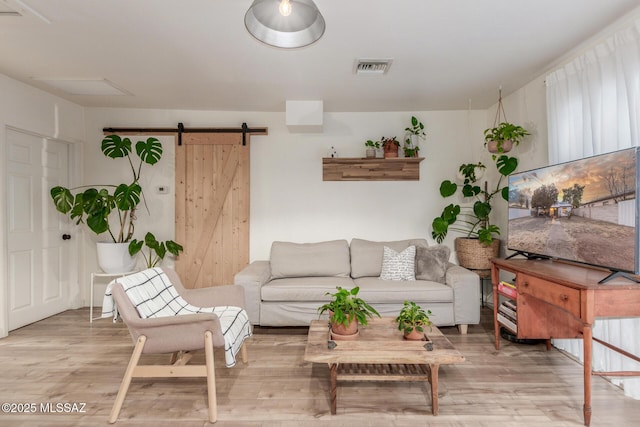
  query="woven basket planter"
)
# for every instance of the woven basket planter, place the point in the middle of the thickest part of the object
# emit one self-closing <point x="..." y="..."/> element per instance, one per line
<point x="475" y="255"/>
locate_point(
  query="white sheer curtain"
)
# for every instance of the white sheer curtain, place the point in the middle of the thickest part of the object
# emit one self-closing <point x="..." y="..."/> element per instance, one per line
<point x="593" y="107"/>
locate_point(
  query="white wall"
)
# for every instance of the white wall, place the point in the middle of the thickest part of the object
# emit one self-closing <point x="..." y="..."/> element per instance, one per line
<point x="33" y="111"/>
<point x="289" y="200"/>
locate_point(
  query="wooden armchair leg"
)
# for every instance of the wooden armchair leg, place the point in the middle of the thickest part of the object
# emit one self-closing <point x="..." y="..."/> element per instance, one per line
<point x="211" y="376"/>
<point x="126" y="381"/>
<point x="243" y="353"/>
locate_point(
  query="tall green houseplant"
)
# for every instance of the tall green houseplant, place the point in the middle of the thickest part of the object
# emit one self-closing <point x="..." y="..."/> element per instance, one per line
<point x="473" y="219"/>
<point x="95" y="205"/>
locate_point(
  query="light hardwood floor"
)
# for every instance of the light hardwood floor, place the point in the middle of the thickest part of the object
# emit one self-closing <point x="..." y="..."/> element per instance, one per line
<point x="63" y="359"/>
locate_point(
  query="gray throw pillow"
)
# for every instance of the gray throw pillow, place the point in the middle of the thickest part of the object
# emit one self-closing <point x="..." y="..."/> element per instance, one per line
<point x="432" y="262"/>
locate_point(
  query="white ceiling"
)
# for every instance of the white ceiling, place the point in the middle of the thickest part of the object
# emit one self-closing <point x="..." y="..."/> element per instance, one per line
<point x="196" y="54"/>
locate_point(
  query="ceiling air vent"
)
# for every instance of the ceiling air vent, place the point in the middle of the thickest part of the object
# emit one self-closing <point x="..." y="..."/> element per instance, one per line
<point x="372" y="66"/>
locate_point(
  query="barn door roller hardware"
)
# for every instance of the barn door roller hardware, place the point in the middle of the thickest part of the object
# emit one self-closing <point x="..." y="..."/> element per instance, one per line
<point x="244" y="129"/>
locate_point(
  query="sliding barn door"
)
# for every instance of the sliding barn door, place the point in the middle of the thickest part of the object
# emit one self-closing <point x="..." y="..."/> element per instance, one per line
<point x="212" y="207"/>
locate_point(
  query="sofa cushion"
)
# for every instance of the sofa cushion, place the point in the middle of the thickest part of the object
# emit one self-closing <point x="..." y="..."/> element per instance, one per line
<point x="303" y="288"/>
<point x="375" y="290"/>
<point x="398" y="265"/>
<point x="431" y="262"/>
<point x="366" y="255"/>
<point x="310" y="259"/>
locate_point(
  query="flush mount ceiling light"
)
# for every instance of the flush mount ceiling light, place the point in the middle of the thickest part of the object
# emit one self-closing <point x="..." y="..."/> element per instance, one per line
<point x="285" y="23"/>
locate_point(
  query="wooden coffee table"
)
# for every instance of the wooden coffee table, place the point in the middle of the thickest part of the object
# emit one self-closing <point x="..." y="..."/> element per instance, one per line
<point x="380" y="353"/>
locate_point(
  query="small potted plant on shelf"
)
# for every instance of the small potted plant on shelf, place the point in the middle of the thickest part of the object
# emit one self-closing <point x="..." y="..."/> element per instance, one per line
<point x="346" y="311"/>
<point x="410" y="151"/>
<point x="414" y="133"/>
<point x="501" y="138"/>
<point x="412" y="320"/>
<point x="390" y="146"/>
<point x="372" y="146"/>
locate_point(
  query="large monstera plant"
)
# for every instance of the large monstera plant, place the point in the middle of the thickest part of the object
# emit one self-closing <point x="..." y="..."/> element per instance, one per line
<point x="95" y="206"/>
<point x="472" y="219"/>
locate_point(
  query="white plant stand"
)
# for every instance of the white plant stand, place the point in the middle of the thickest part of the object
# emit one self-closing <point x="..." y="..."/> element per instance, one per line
<point x="93" y="277"/>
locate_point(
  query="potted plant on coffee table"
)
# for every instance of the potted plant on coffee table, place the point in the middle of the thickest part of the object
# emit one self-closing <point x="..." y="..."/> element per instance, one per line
<point x="412" y="320"/>
<point x="346" y="312"/>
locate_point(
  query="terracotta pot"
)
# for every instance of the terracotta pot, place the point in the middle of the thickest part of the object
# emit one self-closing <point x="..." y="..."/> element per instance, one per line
<point x="390" y="150"/>
<point x="414" y="335"/>
<point x="341" y="329"/>
<point x="342" y="332"/>
<point x="340" y="337"/>
<point x="492" y="146"/>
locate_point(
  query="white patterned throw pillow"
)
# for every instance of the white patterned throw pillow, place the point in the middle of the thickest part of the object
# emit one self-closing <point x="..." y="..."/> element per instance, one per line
<point x="398" y="266"/>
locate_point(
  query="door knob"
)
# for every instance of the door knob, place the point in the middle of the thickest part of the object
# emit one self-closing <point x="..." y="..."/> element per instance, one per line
<point x="66" y="236"/>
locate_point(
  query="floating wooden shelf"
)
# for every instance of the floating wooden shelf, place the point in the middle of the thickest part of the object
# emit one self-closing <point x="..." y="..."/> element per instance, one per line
<point x="367" y="169"/>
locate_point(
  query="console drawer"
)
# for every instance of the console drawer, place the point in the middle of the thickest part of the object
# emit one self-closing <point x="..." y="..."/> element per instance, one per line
<point x="553" y="293"/>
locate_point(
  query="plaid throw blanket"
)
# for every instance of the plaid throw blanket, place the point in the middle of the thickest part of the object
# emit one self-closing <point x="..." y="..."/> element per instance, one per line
<point x="153" y="295"/>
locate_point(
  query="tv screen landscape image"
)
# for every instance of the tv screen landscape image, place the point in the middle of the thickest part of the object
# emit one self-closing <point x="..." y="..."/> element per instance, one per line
<point x="583" y="210"/>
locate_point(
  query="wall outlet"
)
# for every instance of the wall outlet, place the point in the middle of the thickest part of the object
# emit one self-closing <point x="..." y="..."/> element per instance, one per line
<point x="162" y="189"/>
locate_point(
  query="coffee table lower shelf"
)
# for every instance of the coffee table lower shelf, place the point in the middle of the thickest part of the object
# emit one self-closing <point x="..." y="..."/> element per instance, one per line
<point x="383" y="372"/>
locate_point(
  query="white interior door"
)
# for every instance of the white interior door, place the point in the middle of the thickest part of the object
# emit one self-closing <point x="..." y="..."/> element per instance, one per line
<point x="38" y="257"/>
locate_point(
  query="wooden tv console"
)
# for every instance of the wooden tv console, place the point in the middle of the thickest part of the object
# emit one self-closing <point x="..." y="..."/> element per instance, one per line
<point x="557" y="299"/>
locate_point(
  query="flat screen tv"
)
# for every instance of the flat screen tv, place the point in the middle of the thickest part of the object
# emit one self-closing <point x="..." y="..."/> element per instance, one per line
<point x="584" y="211"/>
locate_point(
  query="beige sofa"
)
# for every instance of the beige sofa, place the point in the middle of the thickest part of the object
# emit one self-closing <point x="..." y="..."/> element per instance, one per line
<point x="287" y="289"/>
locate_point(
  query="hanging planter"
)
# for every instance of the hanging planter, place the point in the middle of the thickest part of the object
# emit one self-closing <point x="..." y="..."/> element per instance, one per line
<point x="499" y="146"/>
<point x="503" y="135"/>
